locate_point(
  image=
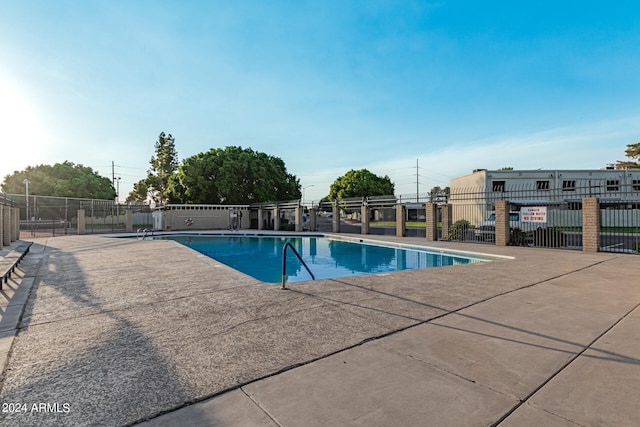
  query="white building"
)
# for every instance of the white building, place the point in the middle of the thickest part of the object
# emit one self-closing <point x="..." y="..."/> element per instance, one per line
<point x="558" y="185"/>
<point x="473" y="196"/>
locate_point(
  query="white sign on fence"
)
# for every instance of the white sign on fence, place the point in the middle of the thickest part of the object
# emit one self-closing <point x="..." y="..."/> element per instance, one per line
<point x="533" y="214"/>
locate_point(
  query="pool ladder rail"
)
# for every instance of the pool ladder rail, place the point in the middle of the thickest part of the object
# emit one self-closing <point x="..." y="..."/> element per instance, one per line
<point x="286" y="246"/>
<point x="142" y="232"/>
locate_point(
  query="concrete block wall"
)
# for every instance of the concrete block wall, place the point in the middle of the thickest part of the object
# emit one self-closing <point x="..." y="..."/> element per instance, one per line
<point x="205" y="218"/>
<point x="9" y="225"/>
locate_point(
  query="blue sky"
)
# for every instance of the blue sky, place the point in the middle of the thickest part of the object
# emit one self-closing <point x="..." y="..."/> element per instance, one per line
<point x="327" y="86"/>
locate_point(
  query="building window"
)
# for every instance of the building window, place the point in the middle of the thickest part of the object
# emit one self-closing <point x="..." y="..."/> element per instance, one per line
<point x="636" y="185"/>
<point x="569" y="185"/>
<point x="498" y="186"/>
<point x="613" y="185"/>
<point x="542" y="185"/>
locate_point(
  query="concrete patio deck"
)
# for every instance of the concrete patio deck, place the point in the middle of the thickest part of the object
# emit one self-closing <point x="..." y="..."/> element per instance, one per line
<point x="103" y="331"/>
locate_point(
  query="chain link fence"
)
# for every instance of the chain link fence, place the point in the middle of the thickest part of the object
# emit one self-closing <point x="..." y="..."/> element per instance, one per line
<point x="47" y="216"/>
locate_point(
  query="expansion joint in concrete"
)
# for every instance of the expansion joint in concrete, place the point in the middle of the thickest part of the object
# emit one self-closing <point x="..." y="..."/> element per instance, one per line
<point x="565" y="366"/>
<point x="264" y="411"/>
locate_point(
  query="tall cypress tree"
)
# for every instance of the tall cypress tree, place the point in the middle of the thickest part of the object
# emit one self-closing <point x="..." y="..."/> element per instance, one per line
<point x="163" y="165"/>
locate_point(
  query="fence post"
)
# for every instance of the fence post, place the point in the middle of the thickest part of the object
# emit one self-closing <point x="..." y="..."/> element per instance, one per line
<point x="313" y="218"/>
<point x="446" y="220"/>
<point x="260" y="219"/>
<point x="1" y="226"/>
<point x="502" y="223"/>
<point x="298" y="213"/>
<point x="9" y="225"/>
<point x="81" y="221"/>
<point x="14" y="224"/>
<point x="400" y="221"/>
<point x="129" y="220"/>
<point x="17" y="220"/>
<point x="364" y="219"/>
<point x="431" y="220"/>
<point x="6" y="237"/>
<point x="590" y="224"/>
<point x="335" y="217"/>
<point x="276" y="218"/>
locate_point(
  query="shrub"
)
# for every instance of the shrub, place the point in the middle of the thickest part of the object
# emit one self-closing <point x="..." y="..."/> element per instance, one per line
<point x="636" y="247"/>
<point x="458" y="230"/>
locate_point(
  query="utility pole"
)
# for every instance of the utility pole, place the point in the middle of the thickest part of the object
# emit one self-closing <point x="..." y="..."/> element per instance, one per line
<point x="26" y="182"/>
<point x="118" y="192"/>
<point x="417" y="181"/>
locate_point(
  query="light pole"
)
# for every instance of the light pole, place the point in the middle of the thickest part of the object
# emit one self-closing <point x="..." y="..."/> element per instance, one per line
<point x="304" y="188"/>
<point x="26" y="182"/>
<point x="118" y="191"/>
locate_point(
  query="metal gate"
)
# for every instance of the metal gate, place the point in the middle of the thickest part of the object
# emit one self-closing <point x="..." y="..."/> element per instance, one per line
<point x="620" y="226"/>
<point x="547" y="225"/>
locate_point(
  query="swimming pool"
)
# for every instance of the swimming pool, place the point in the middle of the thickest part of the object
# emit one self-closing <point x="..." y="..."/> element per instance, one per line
<point x="261" y="256"/>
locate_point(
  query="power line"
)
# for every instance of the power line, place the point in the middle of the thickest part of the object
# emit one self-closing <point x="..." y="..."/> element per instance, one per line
<point x="119" y="166"/>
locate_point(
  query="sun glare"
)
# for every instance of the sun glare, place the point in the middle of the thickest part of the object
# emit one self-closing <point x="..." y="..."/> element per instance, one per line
<point x="21" y="132"/>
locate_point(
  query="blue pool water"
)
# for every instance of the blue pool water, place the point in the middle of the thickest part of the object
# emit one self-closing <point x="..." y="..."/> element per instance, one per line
<point x="261" y="256"/>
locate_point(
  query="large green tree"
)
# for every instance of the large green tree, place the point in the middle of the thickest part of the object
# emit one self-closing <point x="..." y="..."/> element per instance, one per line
<point x="360" y="183"/>
<point x="164" y="165"/>
<point x="65" y="179"/>
<point x="232" y="175"/>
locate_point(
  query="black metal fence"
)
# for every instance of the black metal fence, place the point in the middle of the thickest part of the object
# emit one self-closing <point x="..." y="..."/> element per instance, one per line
<point x="381" y="211"/>
<point x="550" y="216"/>
<point x="620" y="226"/>
<point x="540" y="215"/>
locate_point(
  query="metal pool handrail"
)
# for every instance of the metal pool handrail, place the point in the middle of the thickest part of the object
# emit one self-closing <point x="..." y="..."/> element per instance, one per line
<point x="284" y="262"/>
<point x="144" y="233"/>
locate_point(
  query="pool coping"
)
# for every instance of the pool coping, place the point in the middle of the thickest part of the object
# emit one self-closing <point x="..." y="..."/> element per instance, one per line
<point x="430" y="250"/>
<point x="335" y="236"/>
